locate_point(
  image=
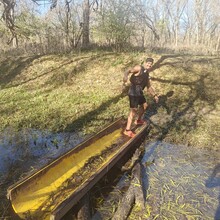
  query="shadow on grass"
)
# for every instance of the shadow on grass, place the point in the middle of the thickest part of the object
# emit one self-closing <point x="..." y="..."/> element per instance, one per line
<point x="177" y="114"/>
<point x="197" y="93"/>
<point x="160" y="62"/>
<point x="92" y="115"/>
<point x="9" y="70"/>
<point x="82" y="64"/>
<point x="153" y="108"/>
<point x="59" y="78"/>
<point x="200" y="91"/>
<point x="182" y="59"/>
<point x="79" y="123"/>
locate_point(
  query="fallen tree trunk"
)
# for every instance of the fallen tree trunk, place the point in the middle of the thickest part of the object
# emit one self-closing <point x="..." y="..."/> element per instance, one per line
<point x="84" y="210"/>
<point x="134" y="194"/>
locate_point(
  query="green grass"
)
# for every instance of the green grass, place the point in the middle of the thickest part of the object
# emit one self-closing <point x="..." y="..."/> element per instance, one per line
<point x="83" y="92"/>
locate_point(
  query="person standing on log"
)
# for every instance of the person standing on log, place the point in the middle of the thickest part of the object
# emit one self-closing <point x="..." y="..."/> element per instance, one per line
<point x="139" y="80"/>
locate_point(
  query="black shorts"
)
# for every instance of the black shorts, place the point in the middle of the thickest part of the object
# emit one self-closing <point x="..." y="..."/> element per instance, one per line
<point x="136" y="100"/>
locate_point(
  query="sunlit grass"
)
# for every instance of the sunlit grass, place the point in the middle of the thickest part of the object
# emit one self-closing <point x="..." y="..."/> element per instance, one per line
<point x="83" y="91"/>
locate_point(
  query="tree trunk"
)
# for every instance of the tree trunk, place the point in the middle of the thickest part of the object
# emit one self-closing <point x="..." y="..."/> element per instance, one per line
<point x="8" y="17"/>
<point x="67" y="13"/>
<point x="86" y="19"/>
<point x="133" y="195"/>
<point x="84" y="211"/>
<point x="217" y="47"/>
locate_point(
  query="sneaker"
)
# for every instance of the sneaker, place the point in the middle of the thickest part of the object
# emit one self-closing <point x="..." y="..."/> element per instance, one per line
<point x="129" y="133"/>
<point x="140" y="122"/>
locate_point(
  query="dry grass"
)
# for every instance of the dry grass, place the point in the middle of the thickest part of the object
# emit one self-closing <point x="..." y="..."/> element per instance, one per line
<point x="83" y="92"/>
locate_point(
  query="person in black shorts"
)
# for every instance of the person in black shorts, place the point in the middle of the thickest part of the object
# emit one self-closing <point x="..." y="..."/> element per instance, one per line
<point x="139" y="80"/>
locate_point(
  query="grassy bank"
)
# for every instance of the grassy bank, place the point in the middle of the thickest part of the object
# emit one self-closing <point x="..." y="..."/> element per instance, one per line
<point x="83" y="92"/>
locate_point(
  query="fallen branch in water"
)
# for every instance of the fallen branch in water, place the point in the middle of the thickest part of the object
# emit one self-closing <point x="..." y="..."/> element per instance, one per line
<point x="134" y="194"/>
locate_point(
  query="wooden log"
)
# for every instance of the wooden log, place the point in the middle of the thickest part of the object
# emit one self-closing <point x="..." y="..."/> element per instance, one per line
<point x="113" y="198"/>
<point x="125" y="204"/>
<point x="135" y="158"/>
<point x="131" y="163"/>
<point x="84" y="210"/>
<point x="138" y="189"/>
<point x="133" y="195"/>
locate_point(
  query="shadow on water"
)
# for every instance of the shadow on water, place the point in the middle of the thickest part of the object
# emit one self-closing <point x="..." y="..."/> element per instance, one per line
<point x="212" y="182"/>
<point x="147" y="160"/>
<point x="175" y="177"/>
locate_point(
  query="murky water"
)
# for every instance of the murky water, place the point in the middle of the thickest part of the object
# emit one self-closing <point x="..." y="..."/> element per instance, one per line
<point x="36" y="199"/>
<point x="182" y="182"/>
<point x="26" y="151"/>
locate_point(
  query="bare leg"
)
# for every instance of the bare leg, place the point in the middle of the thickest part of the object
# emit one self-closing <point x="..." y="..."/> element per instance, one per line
<point x="142" y="109"/>
<point x="131" y="115"/>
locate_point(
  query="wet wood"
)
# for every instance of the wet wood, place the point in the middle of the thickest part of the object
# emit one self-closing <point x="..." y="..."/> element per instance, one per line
<point x="75" y="186"/>
<point x="131" y="163"/>
<point x="134" y="194"/>
<point x="84" y="211"/>
<point x="128" y="145"/>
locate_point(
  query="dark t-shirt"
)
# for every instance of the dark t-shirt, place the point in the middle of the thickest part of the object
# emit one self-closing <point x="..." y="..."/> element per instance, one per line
<point x="138" y="83"/>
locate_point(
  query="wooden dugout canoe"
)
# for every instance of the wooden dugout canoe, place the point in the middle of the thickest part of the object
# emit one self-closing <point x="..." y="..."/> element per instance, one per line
<point x="53" y="190"/>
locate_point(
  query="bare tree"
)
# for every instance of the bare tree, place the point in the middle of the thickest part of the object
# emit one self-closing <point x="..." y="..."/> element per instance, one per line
<point x="8" y="17"/>
<point x="86" y="20"/>
<point x="118" y="23"/>
<point x="175" y="10"/>
<point x="87" y="5"/>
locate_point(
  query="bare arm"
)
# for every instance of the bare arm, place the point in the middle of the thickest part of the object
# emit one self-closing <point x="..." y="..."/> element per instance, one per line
<point x="151" y="90"/>
<point x="135" y="69"/>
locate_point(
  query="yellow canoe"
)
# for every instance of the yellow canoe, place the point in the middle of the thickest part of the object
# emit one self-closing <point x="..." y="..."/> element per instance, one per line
<point x="53" y="190"/>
